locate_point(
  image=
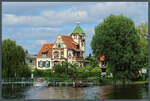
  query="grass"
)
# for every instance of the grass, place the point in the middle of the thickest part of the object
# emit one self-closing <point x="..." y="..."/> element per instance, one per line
<point x="140" y="82"/>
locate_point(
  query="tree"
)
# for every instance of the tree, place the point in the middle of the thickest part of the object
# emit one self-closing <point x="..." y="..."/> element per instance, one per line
<point x="13" y="60"/>
<point x="93" y="62"/>
<point x="142" y="31"/>
<point x="116" y="38"/>
<point x="58" y="68"/>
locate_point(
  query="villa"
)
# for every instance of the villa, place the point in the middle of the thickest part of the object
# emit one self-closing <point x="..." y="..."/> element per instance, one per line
<point x="69" y="48"/>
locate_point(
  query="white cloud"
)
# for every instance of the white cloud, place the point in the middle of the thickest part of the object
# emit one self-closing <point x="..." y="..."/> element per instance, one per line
<point x="10" y="19"/>
<point x="89" y="14"/>
<point x="40" y="42"/>
<point x="44" y="21"/>
<point x="46" y="18"/>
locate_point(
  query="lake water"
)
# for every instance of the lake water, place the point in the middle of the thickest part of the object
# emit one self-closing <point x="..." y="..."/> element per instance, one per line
<point x="93" y="92"/>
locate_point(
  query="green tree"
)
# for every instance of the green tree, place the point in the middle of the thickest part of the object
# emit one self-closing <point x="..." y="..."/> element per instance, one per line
<point x="116" y="38"/>
<point x="58" y="68"/>
<point x="142" y="31"/>
<point x="93" y="62"/>
<point x="13" y="60"/>
<point x="72" y="70"/>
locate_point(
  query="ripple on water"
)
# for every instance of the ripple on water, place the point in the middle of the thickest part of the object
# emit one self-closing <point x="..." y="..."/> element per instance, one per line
<point x="93" y="92"/>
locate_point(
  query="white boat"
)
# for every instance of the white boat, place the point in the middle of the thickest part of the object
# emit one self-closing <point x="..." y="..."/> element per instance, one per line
<point x="40" y="82"/>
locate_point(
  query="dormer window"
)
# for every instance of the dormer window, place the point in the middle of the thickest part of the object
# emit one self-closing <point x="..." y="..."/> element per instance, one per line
<point x="59" y="45"/>
<point x="44" y="53"/>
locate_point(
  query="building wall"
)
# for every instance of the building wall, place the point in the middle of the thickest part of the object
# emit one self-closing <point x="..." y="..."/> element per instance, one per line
<point x="65" y="53"/>
<point x="70" y="56"/>
<point x="75" y="38"/>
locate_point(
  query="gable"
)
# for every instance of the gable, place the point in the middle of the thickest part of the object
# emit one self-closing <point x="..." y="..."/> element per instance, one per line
<point x="59" y="43"/>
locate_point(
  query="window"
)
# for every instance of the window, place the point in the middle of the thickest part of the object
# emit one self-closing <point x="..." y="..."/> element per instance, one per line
<point x="47" y="63"/>
<point x="80" y="37"/>
<point x="43" y="53"/>
<point x="82" y="44"/>
<point x="69" y="55"/>
<point x="81" y="55"/>
<point x="56" y="54"/>
<point x="62" y="53"/>
<point x="30" y="60"/>
<point x="75" y="36"/>
<point x="38" y="63"/>
<point x="56" y="62"/>
<point x="44" y="64"/>
<point x="41" y="64"/>
<point x="78" y="47"/>
<point x="59" y="45"/>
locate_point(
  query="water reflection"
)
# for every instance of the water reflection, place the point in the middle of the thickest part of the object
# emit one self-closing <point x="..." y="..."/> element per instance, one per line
<point x="95" y="92"/>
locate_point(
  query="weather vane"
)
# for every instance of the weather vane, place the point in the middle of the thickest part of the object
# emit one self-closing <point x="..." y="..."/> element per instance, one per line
<point x="78" y="19"/>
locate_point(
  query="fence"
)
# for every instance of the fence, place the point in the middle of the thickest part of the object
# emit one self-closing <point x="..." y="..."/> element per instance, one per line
<point x="17" y="79"/>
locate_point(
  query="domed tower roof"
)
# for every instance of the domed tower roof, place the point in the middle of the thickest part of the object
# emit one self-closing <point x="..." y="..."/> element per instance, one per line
<point x="78" y="29"/>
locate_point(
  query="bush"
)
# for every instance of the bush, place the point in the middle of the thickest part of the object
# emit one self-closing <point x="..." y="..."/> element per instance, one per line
<point x="42" y="73"/>
<point x="59" y="68"/>
<point x="88" y="72"/>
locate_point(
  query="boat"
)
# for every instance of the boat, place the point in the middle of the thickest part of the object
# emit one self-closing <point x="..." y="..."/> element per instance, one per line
<point x="40" y="82"/>
<point x="80" y="84"/>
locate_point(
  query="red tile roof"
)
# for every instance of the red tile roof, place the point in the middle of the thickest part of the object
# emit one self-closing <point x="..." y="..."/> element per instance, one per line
<point x="46" y="48"/>
<point x="69" y="42"/>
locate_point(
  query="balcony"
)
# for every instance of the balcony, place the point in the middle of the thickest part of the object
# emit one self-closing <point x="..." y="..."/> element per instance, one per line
<point x="77" y="58"/>
<point x="59" y="58"/>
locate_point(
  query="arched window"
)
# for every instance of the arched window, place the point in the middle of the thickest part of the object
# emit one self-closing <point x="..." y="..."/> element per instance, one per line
<point x="59" y="46"/>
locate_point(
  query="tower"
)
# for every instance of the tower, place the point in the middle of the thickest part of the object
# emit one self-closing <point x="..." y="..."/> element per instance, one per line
<point x="79" y="37"/>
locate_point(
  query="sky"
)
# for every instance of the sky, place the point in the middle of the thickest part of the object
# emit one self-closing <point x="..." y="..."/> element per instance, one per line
<point x="31" y="24"/>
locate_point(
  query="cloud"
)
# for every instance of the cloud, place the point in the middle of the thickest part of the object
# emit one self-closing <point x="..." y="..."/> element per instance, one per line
<point x="12" y="20"/>
<point x="34" y="8"/>
<point x="89" y="14"/>
<point x="32" y="24"/>
<point x="30" y="33"/>
<point x="40" y="42"/>
<point x="46" y="18"/>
